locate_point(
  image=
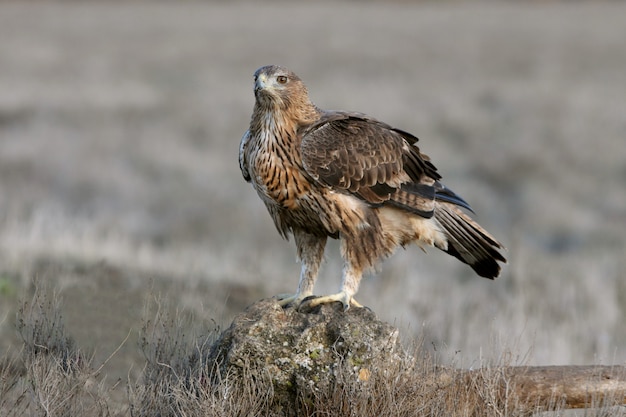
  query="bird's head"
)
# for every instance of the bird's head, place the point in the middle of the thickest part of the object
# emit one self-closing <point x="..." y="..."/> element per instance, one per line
<point x="278" y="88"/>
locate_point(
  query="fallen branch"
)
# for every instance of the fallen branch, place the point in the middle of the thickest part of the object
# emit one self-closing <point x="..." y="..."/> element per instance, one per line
<point x="543" y="388"/>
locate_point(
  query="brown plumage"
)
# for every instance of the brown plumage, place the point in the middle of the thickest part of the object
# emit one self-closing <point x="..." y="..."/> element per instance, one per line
<point x="346" y="175"/>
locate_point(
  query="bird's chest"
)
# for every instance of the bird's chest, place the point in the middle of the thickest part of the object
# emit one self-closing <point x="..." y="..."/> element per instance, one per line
<point x="278" y="175"/>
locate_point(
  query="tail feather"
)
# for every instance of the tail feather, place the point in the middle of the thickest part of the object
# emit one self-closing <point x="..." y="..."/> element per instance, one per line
<point x="469" y="242"/>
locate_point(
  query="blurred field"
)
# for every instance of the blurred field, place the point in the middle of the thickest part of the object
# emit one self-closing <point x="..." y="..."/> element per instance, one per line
<point x="119" y="132"/>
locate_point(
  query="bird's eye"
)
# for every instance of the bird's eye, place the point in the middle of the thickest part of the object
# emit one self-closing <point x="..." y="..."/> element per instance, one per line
<point x="281" y="79"/>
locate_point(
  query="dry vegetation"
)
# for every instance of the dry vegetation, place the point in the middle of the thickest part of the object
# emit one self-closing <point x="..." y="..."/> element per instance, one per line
<point x="119" y="129"/>
<point x="51" y="376"/>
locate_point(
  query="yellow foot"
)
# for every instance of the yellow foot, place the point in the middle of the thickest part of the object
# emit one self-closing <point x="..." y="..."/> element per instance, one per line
<point x="342" y="297"/>
<point x="285" y="300"/>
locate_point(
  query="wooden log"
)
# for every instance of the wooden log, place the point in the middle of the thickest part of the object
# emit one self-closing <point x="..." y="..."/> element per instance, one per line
<point x="542" y="388"/>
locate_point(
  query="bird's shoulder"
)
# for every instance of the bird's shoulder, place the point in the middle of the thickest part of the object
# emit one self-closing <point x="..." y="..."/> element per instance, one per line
<point x="351" y="150"/>
<point x="351" y="126"/>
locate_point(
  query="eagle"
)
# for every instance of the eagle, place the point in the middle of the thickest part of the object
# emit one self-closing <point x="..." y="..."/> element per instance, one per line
<point x="348" y="176"/>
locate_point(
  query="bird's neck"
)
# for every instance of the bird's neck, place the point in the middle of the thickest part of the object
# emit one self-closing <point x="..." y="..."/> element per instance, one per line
<point x="284" y="121"/>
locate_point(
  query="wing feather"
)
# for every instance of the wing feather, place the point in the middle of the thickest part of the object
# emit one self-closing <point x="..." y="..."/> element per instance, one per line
<point x="243" y="159"/>
<point x="354" y="153"/>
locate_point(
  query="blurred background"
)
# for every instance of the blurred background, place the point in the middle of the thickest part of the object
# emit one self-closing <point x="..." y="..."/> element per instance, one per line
<point x="119" y="183"/>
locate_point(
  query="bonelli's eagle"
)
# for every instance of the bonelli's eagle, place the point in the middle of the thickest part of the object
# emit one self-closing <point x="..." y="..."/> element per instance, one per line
<point x="348" y="176"/>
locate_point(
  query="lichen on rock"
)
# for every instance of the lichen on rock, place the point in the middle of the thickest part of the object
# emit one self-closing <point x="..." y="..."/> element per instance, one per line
<point x="303" y="352"/>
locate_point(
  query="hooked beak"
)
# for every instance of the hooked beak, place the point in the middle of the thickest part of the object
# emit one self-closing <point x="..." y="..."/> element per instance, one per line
<point x="260" y="83"/>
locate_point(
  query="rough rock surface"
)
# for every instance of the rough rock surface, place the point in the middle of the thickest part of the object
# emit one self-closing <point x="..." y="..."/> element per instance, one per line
<point x="303" y="352"/>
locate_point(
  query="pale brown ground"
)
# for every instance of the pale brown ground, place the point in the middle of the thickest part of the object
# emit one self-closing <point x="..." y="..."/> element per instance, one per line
<point x="119" y="131"/>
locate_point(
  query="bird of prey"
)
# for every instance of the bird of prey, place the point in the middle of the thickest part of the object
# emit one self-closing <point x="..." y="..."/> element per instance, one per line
<point x="348" y="176"/>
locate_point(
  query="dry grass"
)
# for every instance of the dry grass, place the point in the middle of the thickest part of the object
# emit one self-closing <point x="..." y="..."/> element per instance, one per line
<point x="51" y="376"/>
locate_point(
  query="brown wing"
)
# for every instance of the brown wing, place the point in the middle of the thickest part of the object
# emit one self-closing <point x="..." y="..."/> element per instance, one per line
<point x="354" y="153"/>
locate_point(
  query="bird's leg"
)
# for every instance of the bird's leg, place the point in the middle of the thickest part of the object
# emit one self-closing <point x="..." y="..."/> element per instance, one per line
<point x="310" y="253"/>
<point x="349" y="287"/>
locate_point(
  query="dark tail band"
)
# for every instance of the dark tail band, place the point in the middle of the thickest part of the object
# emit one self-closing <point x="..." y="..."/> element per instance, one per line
<point x="469" y="242"/>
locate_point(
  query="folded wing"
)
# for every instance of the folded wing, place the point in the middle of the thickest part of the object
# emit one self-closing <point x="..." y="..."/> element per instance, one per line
<point x="354" y="153"/>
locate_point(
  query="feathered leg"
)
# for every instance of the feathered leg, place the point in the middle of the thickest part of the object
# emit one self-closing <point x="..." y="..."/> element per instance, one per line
<point x="352" y="273"/>
<point x="349" y="287"/>
<point x="310" y="252"/>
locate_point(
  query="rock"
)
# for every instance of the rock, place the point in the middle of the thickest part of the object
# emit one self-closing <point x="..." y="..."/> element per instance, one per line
<point x="303" y="353"/>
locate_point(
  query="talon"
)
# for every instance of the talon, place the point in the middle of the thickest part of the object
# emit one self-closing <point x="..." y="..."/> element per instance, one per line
<point x="306" y="300"/>
<point x="286" y="300"/>
<point x="356" y="304"/>
<point x="342" y="297"/>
